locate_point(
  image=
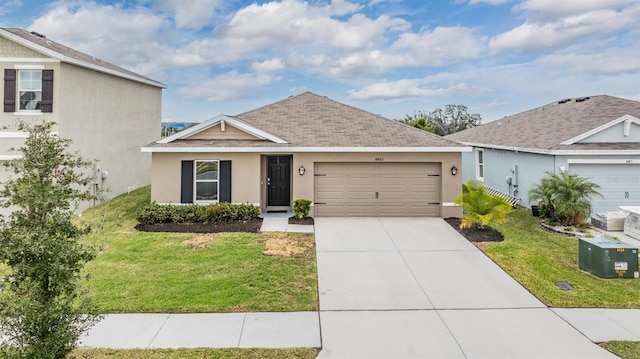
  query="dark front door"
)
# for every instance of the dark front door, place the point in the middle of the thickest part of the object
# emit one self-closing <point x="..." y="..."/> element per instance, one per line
<point x="278" y="181"/>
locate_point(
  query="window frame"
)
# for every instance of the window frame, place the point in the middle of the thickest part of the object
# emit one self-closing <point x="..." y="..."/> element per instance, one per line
<point x="19" y="90"/>
<point x="196" y="181"/>
<point x="480" y="164"/>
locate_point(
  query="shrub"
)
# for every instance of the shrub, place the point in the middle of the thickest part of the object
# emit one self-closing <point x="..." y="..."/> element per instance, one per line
<point x="301" y="208"/>
<point x="193" y="213"/>
<point x="566" y="197"/>
<point x="479" y="207"/>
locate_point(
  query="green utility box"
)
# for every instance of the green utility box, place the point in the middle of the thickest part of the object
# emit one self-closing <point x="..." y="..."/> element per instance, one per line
<point x="608" y="258"/>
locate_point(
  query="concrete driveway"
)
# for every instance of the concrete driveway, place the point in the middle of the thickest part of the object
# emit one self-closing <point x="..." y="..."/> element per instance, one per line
<point x="415" y="288"/>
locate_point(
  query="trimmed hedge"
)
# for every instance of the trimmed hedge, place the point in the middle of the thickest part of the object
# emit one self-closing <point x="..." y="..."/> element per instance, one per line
<point x="193" y="213"/>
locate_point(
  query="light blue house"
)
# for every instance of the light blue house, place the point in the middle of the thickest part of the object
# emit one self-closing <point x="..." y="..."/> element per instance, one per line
<point x="596" y="137"/>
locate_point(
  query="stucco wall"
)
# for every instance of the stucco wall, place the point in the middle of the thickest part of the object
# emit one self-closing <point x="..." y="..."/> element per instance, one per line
<point x="248" y="173"/>
<point x="109" y="119"/>
<point x="615" y="134"/>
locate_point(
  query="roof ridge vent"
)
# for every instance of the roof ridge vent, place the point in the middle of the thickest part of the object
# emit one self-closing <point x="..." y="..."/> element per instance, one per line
<point x="565" y="100"/>
<point x="582" y="99"/>
<point x="38" y="34"/>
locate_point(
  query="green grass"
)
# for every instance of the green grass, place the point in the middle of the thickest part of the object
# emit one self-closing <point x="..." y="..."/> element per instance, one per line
<point x="537" y="259"/>
<point x="200" y="353"/>
<point x="161" y="272"/>
<point x="625" y="350"/>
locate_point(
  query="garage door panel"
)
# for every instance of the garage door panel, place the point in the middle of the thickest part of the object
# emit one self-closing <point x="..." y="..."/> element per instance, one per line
<point x="619" y="184"/>
<point x="403" y="189"/>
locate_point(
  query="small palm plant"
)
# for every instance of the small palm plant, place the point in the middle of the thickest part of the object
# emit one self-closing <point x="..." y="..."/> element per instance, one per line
<point x="567" y="196"/>
<point x="479" y="207"/>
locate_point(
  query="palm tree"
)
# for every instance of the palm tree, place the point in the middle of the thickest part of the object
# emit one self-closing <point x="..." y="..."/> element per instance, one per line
<point x="479" y="207"/>
<point x="566" y="196"/>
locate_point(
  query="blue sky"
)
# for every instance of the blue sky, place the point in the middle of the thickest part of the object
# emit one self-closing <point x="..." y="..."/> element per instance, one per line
<point x="391" y="57"/>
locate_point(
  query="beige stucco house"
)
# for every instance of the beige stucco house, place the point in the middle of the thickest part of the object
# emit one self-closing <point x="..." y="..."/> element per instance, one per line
<point x="108" y="112"/>
<point x="348" y="161"/>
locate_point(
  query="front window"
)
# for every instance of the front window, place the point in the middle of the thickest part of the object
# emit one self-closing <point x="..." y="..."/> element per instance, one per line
<point x="480" y="164"/>
<point x="206" y="178"/>
<point x="29" y="89"/>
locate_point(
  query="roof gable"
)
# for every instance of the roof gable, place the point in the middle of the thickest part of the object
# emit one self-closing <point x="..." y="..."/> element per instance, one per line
<point x="207" y="130"/>
<point x="42" y="45"/>
<point x="623" y="129"/>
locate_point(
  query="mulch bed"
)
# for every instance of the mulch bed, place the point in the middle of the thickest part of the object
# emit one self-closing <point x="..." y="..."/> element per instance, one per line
<point x="307" y="221"/>
<point x="251" y="226"/>
<point x="475" y="234"/>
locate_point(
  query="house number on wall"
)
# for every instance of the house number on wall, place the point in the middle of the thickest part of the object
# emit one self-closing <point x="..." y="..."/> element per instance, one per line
<point x="626" y="195"/>
<point x="379" y="159"/>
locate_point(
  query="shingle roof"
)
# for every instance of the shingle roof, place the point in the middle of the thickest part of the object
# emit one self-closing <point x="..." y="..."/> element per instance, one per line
<point x="67" y="54"/>
<point x="548" y="126"/>
<point x="311" y="120"/>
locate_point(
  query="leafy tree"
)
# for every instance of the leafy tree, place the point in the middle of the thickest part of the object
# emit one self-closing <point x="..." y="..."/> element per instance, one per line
<point x="479" y="207"/>
<point x="566" y="197"/>
<point x="452" y="119"/>
<point x="43" y="308"/>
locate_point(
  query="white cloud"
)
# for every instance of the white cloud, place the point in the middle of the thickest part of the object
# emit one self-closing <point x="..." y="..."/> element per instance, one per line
<point x="613" y="62"/>
<point x="404" y="88"/>
<point x="130" y="38"/>
<point x="189" y="14"/>
<point x="555" y="8"/>
<point x="9" y="5"/>
<point x="442" y="46"/>
<point x="268" y="66"/>
<point x="552" y="24"/>
<point x="228" y="86"/>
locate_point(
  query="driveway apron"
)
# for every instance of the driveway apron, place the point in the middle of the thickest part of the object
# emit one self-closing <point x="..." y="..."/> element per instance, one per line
<point x="415" y="288"/>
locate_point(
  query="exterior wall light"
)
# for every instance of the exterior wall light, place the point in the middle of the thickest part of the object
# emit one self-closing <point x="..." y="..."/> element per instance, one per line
<point x="454" y="170"/>
<point x="301" y="170"/>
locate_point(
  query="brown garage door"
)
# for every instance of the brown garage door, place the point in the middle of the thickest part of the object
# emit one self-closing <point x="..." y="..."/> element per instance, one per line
<point x="377" y="189"/>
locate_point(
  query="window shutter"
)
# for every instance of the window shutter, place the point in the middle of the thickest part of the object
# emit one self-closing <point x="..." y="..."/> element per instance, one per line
<point x="46" y="104"/>
<point x="9" y="90"/>
<point x="225" y="182"/>
<point x="186" y="192"/>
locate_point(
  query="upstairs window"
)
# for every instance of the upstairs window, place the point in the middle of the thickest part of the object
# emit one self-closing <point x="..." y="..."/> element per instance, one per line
<point x="28" y="90"/>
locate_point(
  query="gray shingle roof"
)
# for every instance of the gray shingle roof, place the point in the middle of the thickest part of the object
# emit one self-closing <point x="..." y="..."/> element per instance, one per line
<point x="311" y="120"/>
<point x="77" y="57"/>
<point x="548" y="126"/>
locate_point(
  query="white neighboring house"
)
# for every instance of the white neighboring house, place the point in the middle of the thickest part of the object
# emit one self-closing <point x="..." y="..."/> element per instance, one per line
<point x="596" y="137"/>
<point x="107" y="111"/>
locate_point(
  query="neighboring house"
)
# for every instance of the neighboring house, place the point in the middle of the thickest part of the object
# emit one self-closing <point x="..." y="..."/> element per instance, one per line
<point x="108" y="112"/>
<point x="596" y="137"/>
<point x="348" y="161"/>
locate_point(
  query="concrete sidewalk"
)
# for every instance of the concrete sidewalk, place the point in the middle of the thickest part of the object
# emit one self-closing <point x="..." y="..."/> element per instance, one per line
<point x="220" y="330"/>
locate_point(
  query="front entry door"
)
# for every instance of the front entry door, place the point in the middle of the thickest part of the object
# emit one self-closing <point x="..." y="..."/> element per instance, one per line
<point x="278" y="181"/>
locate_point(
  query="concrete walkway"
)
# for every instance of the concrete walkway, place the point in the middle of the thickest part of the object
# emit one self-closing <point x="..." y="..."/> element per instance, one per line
<point x="393" y="288"/>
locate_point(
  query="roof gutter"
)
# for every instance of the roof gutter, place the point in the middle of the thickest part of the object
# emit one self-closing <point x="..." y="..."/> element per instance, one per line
<point x="553" y="152"/>
<point x="303" y="149"/>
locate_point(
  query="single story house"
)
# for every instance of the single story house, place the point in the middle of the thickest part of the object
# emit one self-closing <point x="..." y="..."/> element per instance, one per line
<point x="597" y="137"/>
<point x="348" y="161"/>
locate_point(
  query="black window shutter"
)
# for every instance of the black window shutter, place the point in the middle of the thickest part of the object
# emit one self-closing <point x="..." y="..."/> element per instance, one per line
<point x="186" y="186"/>
<point x="225" y="182"/>
<point x="47" y="91"/>
<point x="9" y="90"/>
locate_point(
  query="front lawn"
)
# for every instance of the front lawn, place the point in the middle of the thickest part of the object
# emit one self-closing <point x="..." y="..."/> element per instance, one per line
<point x="626" y="350"/>
<point x="537" y="259"/>
<point x="199" y="353"/>
<point x="183" y="273"/>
